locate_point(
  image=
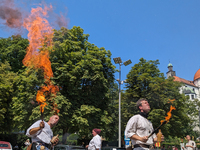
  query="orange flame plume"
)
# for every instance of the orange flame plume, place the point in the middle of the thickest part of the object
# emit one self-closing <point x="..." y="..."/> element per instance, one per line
<point x="169" y="115"/>
<point x="164" y="121"/>
<point x="40" y="37"/>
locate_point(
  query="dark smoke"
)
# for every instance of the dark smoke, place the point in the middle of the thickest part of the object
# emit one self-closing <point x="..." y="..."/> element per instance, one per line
<point x="62" y="21"/>
<point x="11" y="15"/>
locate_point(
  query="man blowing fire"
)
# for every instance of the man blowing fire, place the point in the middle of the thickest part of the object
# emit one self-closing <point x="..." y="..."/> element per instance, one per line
<point x="139" y="127"/>
<point x="42" y="135"/>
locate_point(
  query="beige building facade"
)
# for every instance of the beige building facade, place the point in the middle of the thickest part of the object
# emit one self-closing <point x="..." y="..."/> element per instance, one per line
<point x="190" y="88"/>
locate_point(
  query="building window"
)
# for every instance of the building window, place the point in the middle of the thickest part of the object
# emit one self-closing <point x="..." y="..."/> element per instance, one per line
<point x="192" y="96"/>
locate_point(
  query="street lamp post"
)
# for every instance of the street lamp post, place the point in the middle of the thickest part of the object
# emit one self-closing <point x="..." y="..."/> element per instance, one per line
<point x="118" y="60"/>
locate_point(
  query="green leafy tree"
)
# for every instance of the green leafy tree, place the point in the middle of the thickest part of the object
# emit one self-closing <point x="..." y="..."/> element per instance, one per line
<point x="193" y="112"/>
<point x="7" y="79"/>
<point x="19" y="86"/>
<point x="146" y="81"/>
<point x="13" y="50"/>
<point x="84" y="73"/>
<point x="113" y="109"/>
<point x="25" y="107"/>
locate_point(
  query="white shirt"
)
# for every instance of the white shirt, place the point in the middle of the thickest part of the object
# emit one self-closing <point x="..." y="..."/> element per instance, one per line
<point x="45" y="135"/>
<point x="27" y="143"/>
<point x="140" y="126"/>
<point x="192" y="143"/>
<point x="95" y="143"/>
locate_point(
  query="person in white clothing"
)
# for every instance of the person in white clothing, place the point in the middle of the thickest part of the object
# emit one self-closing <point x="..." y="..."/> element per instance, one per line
<point x="190" y="145"/>
<point x="95" y="143"/>
<point x="41" y="133"/>
<point x="27" y="143"/>
<point x="139" y="127"/>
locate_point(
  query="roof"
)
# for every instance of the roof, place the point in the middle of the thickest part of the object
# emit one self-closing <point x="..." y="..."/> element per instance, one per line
<point x="184" y="81"/>
<point x="197" y="75"/>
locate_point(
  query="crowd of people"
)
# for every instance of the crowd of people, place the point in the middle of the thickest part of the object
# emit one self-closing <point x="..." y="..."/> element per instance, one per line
<point x="138" y="129"/>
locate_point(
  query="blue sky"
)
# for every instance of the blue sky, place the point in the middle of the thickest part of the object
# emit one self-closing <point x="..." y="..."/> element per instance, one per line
<point x="152" y="29"/>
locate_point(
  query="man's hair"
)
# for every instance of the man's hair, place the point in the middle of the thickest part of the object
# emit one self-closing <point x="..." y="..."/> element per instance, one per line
<point x="139" y="102"/>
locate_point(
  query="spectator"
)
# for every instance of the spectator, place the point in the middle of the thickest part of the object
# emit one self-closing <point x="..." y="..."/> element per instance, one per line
<point x="190" y="145"/>
<point x="95" y="143"/>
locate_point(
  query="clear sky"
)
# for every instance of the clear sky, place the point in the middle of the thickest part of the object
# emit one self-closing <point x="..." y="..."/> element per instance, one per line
<point x="131" y="29"/>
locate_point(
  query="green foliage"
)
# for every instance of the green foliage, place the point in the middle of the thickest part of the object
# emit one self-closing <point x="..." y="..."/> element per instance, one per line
<point x="146" y="81"/>
<point x="13" y="50"/>
<point x="24" y="103"/>
<point x="7" y="81"/>
<point x="85" y="73"/>
<point x="111" y="128"/>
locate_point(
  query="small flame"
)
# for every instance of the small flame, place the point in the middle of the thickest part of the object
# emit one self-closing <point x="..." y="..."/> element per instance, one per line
<point x="56" y="111"/>
<point x="40" y="37"/>
<point x="169" y="115"/>
<point x="171" y="100"/>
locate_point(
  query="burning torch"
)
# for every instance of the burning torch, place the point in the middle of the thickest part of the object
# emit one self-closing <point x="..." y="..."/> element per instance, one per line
<point x="164" y="121"/>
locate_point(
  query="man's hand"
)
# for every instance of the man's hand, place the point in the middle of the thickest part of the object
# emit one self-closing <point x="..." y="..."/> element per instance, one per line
<point x="56" y="141"/>
<point x="136" y="137"/>
<point x="144" y="139"/>
<point x="41" y="124"/>
<point x="86" y="146"/>
<point x="36" y="129"/>
<point x="155" y="139"/>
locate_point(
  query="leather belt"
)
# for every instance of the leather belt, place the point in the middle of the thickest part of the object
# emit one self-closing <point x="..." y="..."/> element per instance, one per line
<point x="141" y="145"/>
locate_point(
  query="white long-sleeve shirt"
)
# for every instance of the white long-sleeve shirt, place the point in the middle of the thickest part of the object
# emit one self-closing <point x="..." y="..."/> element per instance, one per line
<point x="95" y="143"/>
<point x="44" y="135"/>
<point x="140" y="126"/>
<point x="191" y="143"/>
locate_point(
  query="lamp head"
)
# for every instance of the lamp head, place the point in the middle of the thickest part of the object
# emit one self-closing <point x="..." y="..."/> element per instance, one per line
<point x="126" y="63"/>
<point x="117" y="60"/>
